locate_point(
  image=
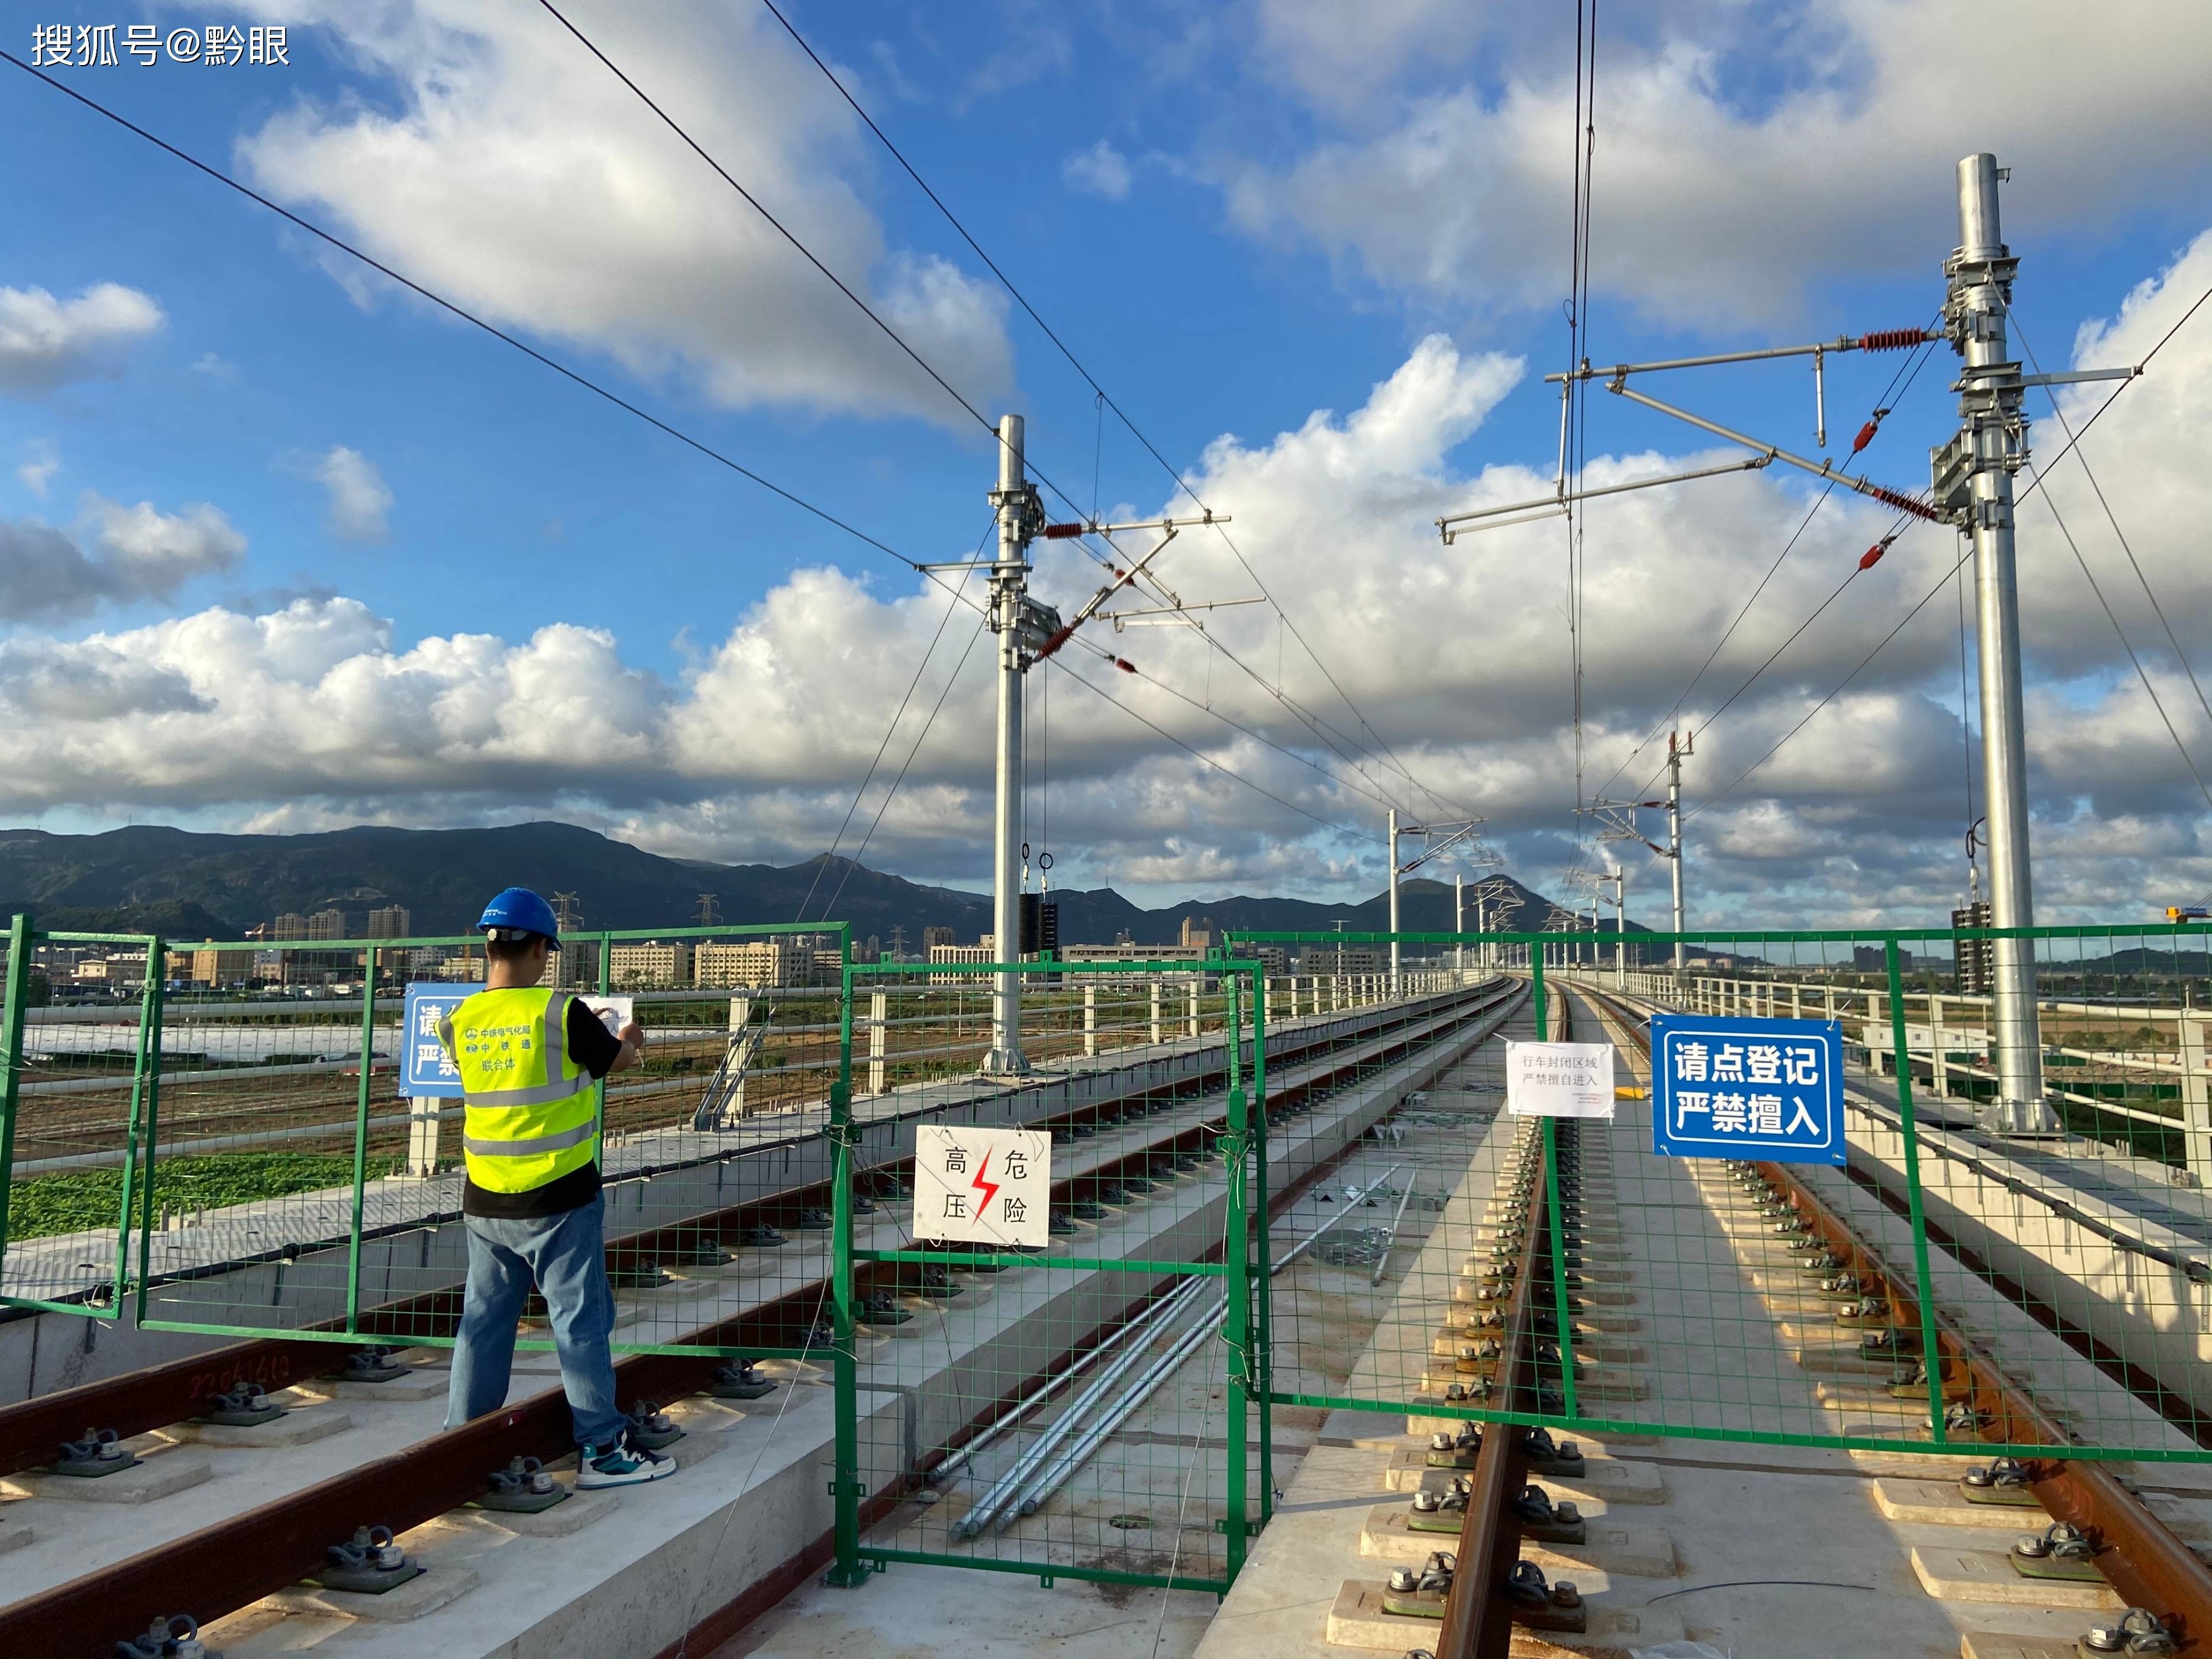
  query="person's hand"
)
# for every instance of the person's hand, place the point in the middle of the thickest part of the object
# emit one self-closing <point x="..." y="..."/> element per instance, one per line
<point x="632" y="1035"/>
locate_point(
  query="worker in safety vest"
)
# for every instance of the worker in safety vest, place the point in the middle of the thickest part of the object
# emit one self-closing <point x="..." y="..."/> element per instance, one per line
<point x="528" y="1055"/>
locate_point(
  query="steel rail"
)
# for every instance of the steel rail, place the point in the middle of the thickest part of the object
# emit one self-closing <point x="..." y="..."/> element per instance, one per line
<point x="1478" y="1621"/>
<point x="2144" y="1562"/>
<point x="239" y="1560"/>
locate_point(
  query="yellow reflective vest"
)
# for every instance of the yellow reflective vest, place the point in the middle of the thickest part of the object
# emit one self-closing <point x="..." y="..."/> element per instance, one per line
<point x="530" y="1116"/>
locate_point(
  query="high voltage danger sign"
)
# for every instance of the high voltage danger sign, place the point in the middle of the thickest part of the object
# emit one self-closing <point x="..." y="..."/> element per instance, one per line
<point x="983" y="1185"/>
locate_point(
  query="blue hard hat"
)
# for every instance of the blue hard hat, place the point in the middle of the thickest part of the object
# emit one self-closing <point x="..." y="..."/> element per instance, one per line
<point x="522" y="911"/>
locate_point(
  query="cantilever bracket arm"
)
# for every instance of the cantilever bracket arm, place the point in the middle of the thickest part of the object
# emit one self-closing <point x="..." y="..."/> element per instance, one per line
<point x="1898" y="499"/>
<point x="1479" y="853"/>
<point x="1552" y="505"/>
<point x="1121" y="580"/>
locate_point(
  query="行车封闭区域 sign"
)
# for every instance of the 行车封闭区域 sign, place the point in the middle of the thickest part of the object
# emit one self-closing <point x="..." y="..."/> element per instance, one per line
<point x="1559" y="1080"/>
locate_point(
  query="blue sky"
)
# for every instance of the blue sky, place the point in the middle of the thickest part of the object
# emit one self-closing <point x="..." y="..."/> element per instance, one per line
<point x="1237" y="217"/>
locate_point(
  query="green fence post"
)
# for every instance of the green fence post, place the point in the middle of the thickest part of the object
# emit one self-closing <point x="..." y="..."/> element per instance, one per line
<point x="145" y="1063"/>
<point x="1238" y="1262"/>
<point x="11" y="1061"/>
<point x="1931" y="1356"/>
<point x="845" y="1569"/>
<point x="360" y="1137"/>
<point x="1558" y="1267"/>
<point x="151" y="1139"/>
<point x="1263" y="1305"/>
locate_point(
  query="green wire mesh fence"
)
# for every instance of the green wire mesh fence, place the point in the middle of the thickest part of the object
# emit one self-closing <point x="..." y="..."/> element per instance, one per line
<point x="1048" y="1324"/>
<point x="1334" y="1211"/>
<point x="1970" y="1272"/>
<point x="254" y="1138"/>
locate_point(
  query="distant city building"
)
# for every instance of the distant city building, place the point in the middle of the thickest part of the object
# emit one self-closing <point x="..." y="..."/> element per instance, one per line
<point x="393" y="922"/>
<point x="1124" y="950"/>
<point x="219" y="968"/>
<point x="934" y="937"/>
<point x="652" y="963"/>
<point x="1197" y="934"/>
<point x="290" y="926"/>
<point x="123" y="968"/>
<point x="327" y="924"/>
<point x="950" y="955"/>
<point x="730" y="965"/>
<point x="1340" y="959"/>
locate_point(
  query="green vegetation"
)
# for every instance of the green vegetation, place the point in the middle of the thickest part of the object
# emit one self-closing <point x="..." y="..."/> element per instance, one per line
<point x="79" y="1201"/>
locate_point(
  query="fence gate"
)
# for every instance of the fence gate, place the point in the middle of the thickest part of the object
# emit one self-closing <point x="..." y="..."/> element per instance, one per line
<point x="1810" y="1218"/>
<point x="1039" y="1367"/>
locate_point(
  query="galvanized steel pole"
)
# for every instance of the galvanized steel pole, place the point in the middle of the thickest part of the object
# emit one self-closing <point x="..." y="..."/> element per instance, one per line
<point x="1394" y="900"/>
<point x="1016" y="501"/>
<point x="1990" y="395"/>
<point x="1675" y="752"/>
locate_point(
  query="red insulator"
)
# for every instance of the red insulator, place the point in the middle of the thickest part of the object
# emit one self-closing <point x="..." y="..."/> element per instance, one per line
<point x="1866" y="436"/>
<point x="1872" y="556"/>
<point x="1060" y="532"/>
<point x="1905" y="503"/>
<point x="1125" y="664"/>
<point x="1892" y="339"/>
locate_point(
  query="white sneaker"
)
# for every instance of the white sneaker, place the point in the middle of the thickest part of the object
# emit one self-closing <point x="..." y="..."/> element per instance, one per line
<point x="621" y="1464"/>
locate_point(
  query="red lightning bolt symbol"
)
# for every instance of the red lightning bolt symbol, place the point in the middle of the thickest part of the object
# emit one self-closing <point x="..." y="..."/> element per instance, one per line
<point x="986" y="1187"/>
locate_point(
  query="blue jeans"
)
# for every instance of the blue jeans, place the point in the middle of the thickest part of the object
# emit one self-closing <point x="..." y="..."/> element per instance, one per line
<point x="565" y="1255"/>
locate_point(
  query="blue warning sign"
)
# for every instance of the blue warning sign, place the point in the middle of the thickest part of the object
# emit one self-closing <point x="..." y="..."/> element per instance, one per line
<point x="425" y="1071"/>
<point x="1770" y="1089"/>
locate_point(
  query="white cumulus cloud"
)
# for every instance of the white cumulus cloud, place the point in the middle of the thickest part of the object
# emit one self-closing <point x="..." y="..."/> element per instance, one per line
<point x="113" y="554"/>
<point x="1456" y="656"/>
<point x="1718" y="199"/>
<point x="45" y="342"/>
<point x="1101" y="171"/>
<point x="503" y="166"/>
<point x="360" y="499"/>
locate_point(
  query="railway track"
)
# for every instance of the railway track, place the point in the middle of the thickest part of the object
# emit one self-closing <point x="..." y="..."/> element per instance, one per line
<point x="2116" y="1571"/>
<point x="1136" y="1131"/>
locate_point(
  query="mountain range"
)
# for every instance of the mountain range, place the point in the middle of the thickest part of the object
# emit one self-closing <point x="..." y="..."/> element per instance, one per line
<point x="185" y="884"/>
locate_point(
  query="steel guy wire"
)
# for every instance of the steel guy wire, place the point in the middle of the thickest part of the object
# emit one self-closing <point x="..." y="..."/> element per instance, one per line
<point x="1898" y="525"/>
<point x="546" y="360"/>
<point x="920" y="668"/>
<point x="2126" y="645"/>
<point x="1339" y="828"/>
<point x="1104" y="397"/>
<point x="1715" y="799"/>
<point x="455" y="310"/>
<point x="1914" y="363"/>
<point x="807" y="253"/>
<point x="2073" y="441"/>
<point x="2082" y="456"/>
<point x="1303" y="760"/>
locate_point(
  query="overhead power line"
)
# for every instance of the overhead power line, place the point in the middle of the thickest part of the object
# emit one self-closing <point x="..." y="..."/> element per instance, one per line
<point x="2081" y="457"/>
<point x="573" y="376"/>
<point x="897" y="715"/>
<point x="2073" y="442"/>
<point x="1906" y="371"/>
<point x="468" y="317"/>
<point x="1107" y="398"/>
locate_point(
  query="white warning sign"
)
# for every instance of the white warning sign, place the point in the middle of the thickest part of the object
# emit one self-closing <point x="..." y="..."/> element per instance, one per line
<point x="983" y="1185"/>
<point x="1559" y="1080"/>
